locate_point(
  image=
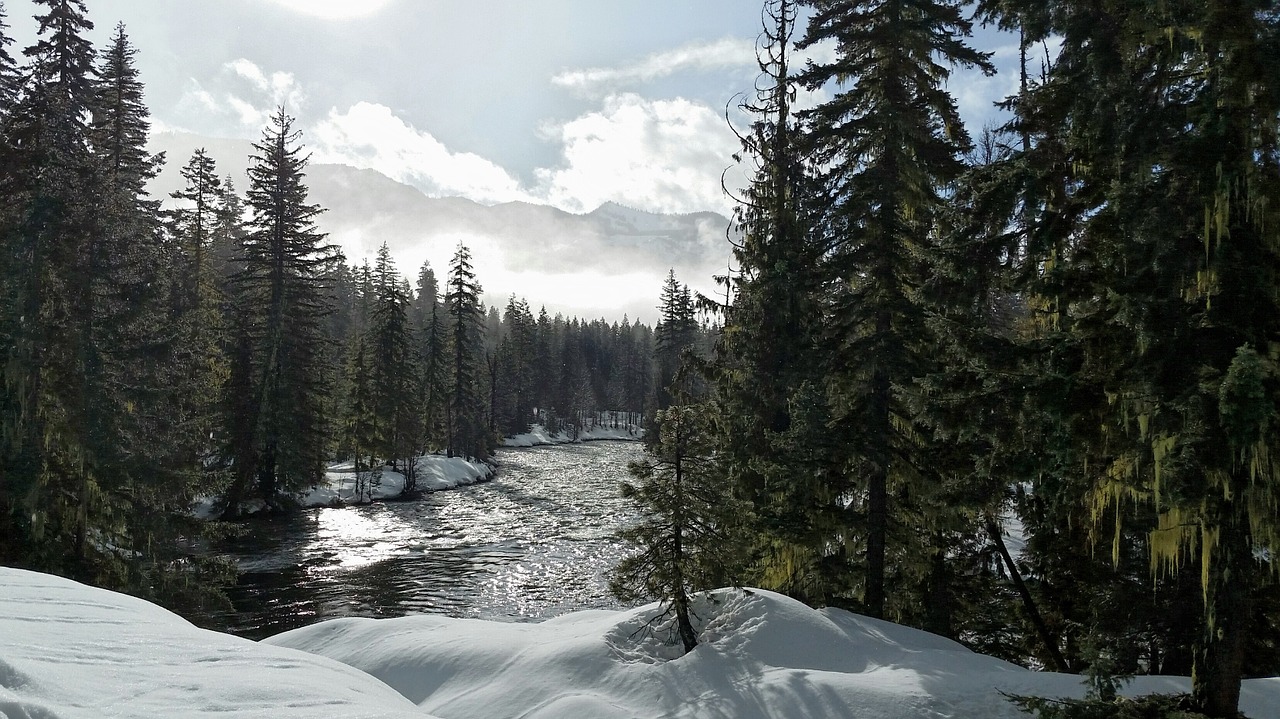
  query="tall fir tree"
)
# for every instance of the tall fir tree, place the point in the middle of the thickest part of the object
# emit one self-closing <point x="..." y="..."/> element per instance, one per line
<point x="393" y="366"/>
<point x="467" y="431"/>
<point x="676" y="332"/>
<point x="10" y="75"/>
<point x="279" y="383"/>
<point x="1151" y="258"/>
<point x="198" y="304"/>
<point x="890" y="143"/>
<point x="763" y="361"/>
<point x="48" y="190"/>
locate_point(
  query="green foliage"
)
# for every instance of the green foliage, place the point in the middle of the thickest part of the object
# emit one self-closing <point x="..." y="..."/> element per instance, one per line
<point x="279" y="376"/>
<point x="1152" y="706"/>
<point x="687" y="541"/>
<point x="468" y="433"/>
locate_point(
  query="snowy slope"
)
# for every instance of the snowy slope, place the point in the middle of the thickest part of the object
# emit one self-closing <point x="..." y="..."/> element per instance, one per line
<point x="763" y="655"/>
<point x="68" y="651"/>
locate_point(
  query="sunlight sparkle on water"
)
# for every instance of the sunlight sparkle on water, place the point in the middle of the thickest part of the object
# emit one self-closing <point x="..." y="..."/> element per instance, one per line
<point x="359" y="538"/>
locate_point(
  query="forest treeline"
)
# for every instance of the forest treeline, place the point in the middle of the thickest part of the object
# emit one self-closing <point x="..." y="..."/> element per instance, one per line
<point x="1066" y="328"/>
<point x="218" y="346"/>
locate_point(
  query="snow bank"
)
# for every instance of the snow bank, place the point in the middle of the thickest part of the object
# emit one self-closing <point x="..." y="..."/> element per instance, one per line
<point x="762" y="655"/>
<point x="538" y="435"/>
<point x="69" y="651"/>
<point x="435" y="472"/>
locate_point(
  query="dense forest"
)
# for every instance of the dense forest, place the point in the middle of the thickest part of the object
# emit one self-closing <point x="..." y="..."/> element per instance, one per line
<point x="1065" y="329"/>
<point x="216" y="345"/>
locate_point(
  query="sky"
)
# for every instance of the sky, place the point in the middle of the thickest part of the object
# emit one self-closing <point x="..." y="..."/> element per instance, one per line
<point x="569" y="103"/>
<point x="564" y="102"/>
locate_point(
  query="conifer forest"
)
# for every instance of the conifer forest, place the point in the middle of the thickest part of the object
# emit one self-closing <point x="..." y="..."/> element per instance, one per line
<point x="1016" y="385"/>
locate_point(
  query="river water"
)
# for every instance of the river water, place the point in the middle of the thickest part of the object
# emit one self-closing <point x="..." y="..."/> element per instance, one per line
<point x="535" y="542"/>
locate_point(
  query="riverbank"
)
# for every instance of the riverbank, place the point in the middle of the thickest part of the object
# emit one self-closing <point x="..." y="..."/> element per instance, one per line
<point x="538" y="435"/>
<point x="70" y="651"/>
<point x="345" y="486"/>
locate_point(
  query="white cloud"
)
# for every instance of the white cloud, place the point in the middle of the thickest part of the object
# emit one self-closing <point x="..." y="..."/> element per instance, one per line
<point x="369" y="135"/>
<point x="729" y="52"/>
<point x="335" y="9"/>
<point x="657" y="155"/>
<point x="241" y="93"/>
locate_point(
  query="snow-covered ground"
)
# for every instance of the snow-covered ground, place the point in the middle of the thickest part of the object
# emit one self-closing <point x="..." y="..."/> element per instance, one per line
<point x="342" y="485"/>
<point x="435" y="472"/>
<point x="67" y="650"/>
<point x="538" y="435"/>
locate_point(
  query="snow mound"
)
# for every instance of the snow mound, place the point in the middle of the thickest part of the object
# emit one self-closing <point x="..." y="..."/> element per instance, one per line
<point x="71" y="651"/>
<point x="435" y="473"/>
<point x="68" y="651"/>
<point x="761" y="655"/>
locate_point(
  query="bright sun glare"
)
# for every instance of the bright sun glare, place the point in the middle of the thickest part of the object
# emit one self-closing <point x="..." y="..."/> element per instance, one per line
<point x="335" y="9"/>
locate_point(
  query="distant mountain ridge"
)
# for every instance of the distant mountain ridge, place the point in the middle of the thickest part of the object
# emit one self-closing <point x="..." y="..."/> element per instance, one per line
<point x="364" y="208"/>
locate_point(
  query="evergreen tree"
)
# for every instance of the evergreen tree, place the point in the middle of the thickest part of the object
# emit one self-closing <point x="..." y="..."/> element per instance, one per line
<point x="434" y="384"/>
<point x="279" y="383"/>
<point x="466" y="423"/>
<point x="1150" y="264"/>
<point x="685" y="542"/>
<point x="10" y="76"/>
<point x="48" y="178"/>
<point x="393" y="367"/>
<point x="891" y="143"/>
<point x="675" y="333"/>
<point x="763" y="365"/>
<point x="362" y="429"/>
<point x="515" y="361"/>
<point x="198" y="304"/>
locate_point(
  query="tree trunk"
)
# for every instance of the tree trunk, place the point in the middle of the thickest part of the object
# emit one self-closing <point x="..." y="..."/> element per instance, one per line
<point x="1028" y="603"/>
<point x="1219" y="660"/>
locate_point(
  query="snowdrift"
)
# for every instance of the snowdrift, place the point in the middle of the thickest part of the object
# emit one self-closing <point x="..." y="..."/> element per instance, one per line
<point x="68" y="651"/>
<point x="762" y="655"/>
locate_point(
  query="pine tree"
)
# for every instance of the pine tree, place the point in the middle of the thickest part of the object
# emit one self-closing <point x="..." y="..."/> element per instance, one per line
<point x="197" y="306"/>
<point x="675" y="333"/>
<point x="433" y="384"/>
<point x="515" y="362"/>
<point x="393" y="366"/>
<point x="279" y="385"/>
<point x="10" y="76"/>
<point x="48" y="191"/>
<point x="686" y="541"/>
<point x="762" y="369"/>
<point x="1151" y="263"/>
<point x="891" y="144"/>
<point x="362" y="426"/>
<point x="465" y="417"/>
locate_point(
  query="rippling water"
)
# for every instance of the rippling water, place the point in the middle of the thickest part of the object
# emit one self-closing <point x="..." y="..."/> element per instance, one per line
<point x="535" y="542"/>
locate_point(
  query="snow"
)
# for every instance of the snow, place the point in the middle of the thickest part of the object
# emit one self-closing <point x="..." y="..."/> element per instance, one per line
<point x="538" y="435"/>
<point x="762" y="655"/>
<point x="69" y="651"/>
<point x="435" y="472"/>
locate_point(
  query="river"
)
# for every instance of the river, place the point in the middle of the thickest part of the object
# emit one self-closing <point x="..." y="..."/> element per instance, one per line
<point x="534" y="542"/>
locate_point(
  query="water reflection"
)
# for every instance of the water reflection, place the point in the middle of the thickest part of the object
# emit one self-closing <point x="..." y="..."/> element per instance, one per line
<point x="534" y="543"/>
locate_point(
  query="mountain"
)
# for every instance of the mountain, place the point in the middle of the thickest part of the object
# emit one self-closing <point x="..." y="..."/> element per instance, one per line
<point x="606" y="262"/>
